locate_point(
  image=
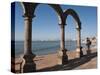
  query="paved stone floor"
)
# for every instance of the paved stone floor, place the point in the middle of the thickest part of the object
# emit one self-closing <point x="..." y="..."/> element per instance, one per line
<point x="92" y="64"/>
<point x="49" y="62"/>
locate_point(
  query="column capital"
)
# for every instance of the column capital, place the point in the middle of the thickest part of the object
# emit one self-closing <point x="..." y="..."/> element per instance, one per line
<point x="28" y="16"/>
<point x="62" y="25"/>
<point x="78" y="29"/>
<point x="28" y="9"/>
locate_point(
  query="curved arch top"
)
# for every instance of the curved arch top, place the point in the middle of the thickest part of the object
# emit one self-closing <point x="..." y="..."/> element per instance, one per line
<point x="29" y="9"/>
<point x="56" y="7"/>
<point x="74" y="15"/>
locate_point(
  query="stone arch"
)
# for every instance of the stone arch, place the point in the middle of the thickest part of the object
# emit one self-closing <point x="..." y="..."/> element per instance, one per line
<point x="74" y="15"/>
<point x="28" y="14"/>
<point x="29" y="8"/>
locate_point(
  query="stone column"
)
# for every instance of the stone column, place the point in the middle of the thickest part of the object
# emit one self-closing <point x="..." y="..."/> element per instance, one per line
<point x="62" y="39"/>
<point x="63" y="58"/>
<point x="28" y="64"/>
<point x="28" y="35"/>
<point x="79" y="52"/>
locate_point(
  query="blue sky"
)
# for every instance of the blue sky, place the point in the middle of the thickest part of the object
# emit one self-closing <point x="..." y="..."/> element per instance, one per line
<point x="45" y="24"/>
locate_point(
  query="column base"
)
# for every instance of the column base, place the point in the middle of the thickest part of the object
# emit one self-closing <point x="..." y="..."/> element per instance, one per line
<point x="88" y="51"/>
<point x="62" y="57"/>
<point x="79" y="53"/>
<point x="28" y="65"/>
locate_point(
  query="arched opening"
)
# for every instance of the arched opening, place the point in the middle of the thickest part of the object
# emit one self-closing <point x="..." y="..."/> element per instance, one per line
<point x="71" y="12"/>
<point x="29" y="9"/>
<point x="45" y="32"/>
<point x="70" y="37"/>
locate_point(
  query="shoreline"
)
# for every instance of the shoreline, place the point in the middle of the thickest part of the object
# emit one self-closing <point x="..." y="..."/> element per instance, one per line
<point x="21" y="54"/>
<point x="49" y="50"/>
<point x="49" y="60"/>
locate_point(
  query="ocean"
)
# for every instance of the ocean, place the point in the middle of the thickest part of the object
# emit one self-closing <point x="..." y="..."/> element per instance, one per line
<point x="44" y="47"/>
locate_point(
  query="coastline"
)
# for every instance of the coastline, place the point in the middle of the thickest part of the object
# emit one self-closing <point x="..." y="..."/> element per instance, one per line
<point x="50" y="60"/>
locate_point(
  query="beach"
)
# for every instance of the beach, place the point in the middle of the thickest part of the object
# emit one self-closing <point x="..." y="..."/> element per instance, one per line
<point x="41" y="45"/>
<point x="49" y="62"/>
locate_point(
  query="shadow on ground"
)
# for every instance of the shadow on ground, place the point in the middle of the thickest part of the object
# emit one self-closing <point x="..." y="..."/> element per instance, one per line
<point x="71" y="63"/>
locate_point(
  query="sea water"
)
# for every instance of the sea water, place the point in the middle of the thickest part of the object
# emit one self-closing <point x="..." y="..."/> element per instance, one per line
<point x="44" y="47"/>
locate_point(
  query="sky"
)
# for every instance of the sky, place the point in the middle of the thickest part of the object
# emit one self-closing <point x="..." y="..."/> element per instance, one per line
<point x="45" y="26"/>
